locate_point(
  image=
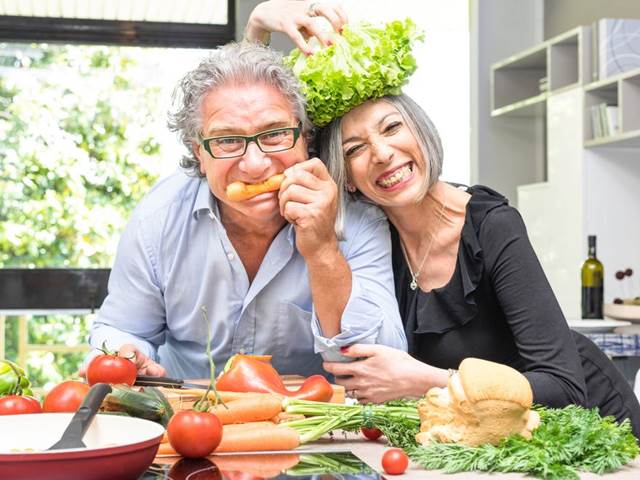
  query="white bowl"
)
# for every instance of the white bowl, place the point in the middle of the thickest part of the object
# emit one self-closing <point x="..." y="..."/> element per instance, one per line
<point x="622" y="312"/>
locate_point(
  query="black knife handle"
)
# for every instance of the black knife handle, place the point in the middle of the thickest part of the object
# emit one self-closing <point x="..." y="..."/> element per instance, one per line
<point x="149" y="381"/>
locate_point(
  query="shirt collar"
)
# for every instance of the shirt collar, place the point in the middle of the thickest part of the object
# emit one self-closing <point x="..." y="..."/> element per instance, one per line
<point x="205" y="203"/>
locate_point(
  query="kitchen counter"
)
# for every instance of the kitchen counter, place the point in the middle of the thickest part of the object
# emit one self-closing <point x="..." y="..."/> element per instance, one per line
<point x="371" y="453"/>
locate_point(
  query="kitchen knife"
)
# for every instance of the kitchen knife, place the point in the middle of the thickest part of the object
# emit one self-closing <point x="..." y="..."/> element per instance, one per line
<point x="149" y="381"/>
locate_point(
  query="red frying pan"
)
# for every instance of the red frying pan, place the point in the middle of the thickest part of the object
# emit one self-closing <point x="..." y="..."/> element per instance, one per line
<point x="118" y="447"/>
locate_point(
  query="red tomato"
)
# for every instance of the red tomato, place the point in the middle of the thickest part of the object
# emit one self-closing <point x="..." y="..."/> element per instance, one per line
<point x="371" y="433"/>
<point x="65" y="397"/>
<point x="111" y="369"/>
<point x="194" y="434"/>
<point x="395" y="461"/>
<point x="14" y="404"/>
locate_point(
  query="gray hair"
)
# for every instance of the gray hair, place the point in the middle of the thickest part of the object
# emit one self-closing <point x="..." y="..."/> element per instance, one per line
<point x="330" y="148"/>
<point x="234" y="63"/>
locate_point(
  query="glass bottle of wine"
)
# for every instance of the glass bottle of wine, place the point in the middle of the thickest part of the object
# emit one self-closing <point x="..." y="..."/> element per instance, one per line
<point x="592" y="283"/>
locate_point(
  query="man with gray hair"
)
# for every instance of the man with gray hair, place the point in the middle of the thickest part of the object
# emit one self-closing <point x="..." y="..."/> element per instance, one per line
<point x="249" y="235"/>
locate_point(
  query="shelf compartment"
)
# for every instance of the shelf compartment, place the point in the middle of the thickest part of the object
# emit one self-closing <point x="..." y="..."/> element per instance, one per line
<point x="518" y="79"/>
<point x="629" y="100"/>
<point x="569" y="58"/>
<point x="607" y="93"/>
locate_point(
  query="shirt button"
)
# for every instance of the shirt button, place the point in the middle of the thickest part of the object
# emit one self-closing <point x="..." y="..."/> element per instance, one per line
<point x="231" y="256"/>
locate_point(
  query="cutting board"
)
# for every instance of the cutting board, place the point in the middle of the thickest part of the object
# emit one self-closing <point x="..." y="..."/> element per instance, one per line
<point x="185" y="400"/>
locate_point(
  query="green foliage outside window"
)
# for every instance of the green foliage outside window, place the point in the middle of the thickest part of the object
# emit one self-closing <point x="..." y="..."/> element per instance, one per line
<point x="78" y="150"/>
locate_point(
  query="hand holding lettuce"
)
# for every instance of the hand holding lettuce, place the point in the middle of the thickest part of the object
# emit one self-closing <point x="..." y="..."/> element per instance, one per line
<point x="365" y="62"/>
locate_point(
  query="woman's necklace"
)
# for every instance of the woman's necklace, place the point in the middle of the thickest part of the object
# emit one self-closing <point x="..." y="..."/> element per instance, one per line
<point x="414" y="276"/>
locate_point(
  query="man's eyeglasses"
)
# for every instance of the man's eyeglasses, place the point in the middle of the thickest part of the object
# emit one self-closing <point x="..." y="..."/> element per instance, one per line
<point x="230" y="146"/>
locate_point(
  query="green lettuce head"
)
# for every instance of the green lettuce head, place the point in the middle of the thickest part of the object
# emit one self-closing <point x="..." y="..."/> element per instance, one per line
<point x="364" y="63"/>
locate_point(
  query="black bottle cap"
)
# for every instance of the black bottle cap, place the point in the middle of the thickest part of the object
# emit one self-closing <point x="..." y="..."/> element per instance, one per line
<point x="592" y="241"/>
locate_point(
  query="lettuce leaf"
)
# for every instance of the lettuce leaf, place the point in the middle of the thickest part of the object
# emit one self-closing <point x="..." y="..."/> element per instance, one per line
<point x="365" y="62"/>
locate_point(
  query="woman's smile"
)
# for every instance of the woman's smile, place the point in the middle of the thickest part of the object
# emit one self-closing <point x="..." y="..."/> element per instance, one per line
<point x="395" y="178"/>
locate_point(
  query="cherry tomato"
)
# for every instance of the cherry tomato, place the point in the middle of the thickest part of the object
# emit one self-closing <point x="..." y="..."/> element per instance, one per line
<point x="14" y="404"/>
<point x="194" y="434"/>
<point x="194" y="469"/>
<point x="395" y="461"/>
<point x="371" y="433"/>
<point x="65" y="397"/>
<point x="111" y="369"/>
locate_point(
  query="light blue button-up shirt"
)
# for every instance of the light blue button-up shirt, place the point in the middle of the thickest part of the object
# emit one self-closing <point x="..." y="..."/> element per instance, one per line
<point x="175" y="257"/>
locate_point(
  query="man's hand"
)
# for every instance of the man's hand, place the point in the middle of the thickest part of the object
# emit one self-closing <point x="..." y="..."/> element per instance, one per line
<point x="308" y="200"/>
<point x="296" y="19"/>
<point x="144" y="364"/>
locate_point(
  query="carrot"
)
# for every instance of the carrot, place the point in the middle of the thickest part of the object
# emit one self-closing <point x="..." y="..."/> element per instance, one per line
<point x="286" y="417"/>
<point x="276" y="437"/>
<point x="166" y="449"/>
<point x="249" y="409"/>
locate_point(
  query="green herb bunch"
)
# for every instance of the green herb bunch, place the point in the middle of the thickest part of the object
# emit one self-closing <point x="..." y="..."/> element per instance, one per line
<point x="365" y="62"/>
<point x="398" y="420"/>
<point x="568" y="440"/>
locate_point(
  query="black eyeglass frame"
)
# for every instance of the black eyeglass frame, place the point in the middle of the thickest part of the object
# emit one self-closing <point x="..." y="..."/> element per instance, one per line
<point x="250" y="138"/>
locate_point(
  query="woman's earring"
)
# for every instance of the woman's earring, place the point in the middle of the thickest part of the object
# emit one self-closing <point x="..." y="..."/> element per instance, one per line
<point x="351" y="188"/>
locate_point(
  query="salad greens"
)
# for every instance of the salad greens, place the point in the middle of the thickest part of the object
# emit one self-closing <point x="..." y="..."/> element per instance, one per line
<point x="365" y="62"/>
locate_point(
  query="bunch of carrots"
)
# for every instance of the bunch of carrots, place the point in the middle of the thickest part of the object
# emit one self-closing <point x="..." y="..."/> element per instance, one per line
<point x="250" y="423"/>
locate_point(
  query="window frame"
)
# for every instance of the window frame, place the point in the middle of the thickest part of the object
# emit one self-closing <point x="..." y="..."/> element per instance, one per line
<point x="118" y="32"/>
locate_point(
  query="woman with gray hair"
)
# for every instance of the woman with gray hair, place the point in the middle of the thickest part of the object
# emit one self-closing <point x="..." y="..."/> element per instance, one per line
<point x="467" y="280"/>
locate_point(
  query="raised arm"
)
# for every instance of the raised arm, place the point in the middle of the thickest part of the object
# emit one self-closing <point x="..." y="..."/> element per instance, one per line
<point x="295" y="18"/>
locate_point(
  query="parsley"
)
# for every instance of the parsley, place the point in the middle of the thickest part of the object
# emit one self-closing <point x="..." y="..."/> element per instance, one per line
<point x="568" y="440"/>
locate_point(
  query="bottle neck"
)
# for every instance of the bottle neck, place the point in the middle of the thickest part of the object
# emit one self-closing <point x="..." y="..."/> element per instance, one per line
<point x="592" y="252"/>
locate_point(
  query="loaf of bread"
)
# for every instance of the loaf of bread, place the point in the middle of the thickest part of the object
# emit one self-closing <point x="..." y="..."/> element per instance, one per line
<point x="483" y="403"/>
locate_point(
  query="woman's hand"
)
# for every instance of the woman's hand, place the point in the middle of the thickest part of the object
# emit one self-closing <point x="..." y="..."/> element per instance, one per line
<point x="384" y="373"/>
<point x="295" y="19"/>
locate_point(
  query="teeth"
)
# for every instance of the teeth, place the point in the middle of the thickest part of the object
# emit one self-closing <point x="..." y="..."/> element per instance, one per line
<point x="396" y="178"/>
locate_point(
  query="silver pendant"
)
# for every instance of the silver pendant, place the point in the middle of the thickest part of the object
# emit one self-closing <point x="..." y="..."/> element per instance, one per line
<point x="413" y="285"/>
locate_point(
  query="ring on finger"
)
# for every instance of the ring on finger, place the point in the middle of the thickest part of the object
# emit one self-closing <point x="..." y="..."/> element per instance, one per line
<point x="311" y="11"/>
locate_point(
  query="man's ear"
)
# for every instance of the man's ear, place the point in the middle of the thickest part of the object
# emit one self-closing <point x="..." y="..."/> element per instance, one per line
<point x="199" y="153"/>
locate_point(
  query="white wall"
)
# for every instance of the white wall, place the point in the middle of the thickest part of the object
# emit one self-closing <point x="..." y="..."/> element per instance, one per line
<point x="562" y="15"/>
<point x="504" y="153"/>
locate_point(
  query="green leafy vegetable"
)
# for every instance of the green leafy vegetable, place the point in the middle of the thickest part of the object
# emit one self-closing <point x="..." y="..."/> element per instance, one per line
<point x="398" y="420"/>
<point x="365" y="62"/>
<point x="567" y="440"/>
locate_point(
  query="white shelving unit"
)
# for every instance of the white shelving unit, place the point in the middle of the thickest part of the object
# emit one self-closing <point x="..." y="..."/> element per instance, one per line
<point x="592" y="184"/>
<point x="521" y="84"/>
<point x="623" y="91"/>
